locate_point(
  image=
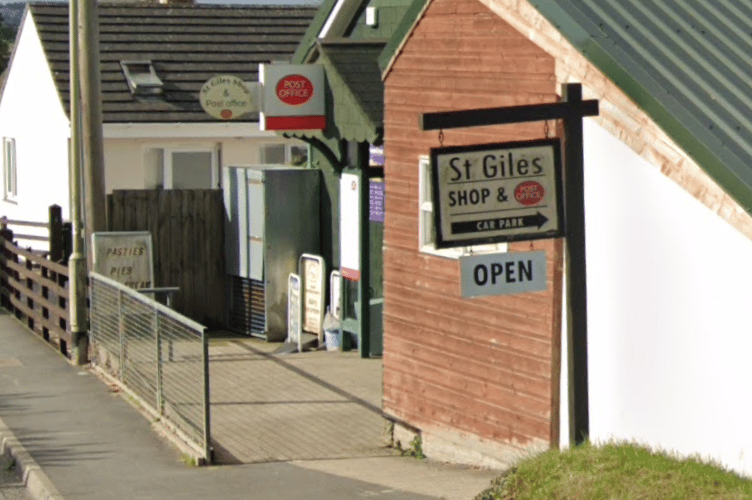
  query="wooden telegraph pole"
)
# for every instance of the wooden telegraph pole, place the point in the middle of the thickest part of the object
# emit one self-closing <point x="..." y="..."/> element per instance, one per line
<point x="86" y="162"/>
<point x="91" y="120"/>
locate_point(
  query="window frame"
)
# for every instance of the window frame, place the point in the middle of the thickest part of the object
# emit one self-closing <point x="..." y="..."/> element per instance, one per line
<point x="426" y="225"/>
<point x="10" y="170"/>
<point x="287" y="153"/>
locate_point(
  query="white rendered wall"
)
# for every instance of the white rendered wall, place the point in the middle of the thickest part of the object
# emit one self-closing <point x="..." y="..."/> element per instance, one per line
<point x="668" y="313"/>
<point x="131" y="163"/>
<point x="31" y="112"/>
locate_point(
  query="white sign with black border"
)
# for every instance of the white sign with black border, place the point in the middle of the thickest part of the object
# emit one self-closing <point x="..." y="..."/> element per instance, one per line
<point x="490" y="193"/>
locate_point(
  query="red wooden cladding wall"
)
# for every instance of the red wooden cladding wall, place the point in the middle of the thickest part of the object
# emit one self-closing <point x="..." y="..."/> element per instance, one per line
<point x="487" y="366"/>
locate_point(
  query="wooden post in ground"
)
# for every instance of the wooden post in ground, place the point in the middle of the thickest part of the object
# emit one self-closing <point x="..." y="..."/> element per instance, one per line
<point x="56" y="233"/>
<point x="5" y="235"/>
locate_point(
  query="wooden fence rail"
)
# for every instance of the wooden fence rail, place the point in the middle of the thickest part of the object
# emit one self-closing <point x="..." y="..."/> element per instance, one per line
<point x="34" y="289"/>
<point x="57" y="234"/>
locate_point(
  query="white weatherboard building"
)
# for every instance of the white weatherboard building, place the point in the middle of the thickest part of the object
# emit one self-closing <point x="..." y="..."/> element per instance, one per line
<point x="154" y="60"/>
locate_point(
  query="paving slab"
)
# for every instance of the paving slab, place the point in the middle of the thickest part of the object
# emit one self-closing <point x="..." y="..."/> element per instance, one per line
<point x="303" y="406"/>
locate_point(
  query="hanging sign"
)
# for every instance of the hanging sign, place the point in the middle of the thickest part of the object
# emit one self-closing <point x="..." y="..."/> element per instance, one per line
<point x="293" y="97"/>
<point x="497" y="192"/>
<point x="503" y="273"/>
<point x="227" y="97"/>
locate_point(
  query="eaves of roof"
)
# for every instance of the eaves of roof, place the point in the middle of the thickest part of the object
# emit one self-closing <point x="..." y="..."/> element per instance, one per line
<point x="413" y="13"/>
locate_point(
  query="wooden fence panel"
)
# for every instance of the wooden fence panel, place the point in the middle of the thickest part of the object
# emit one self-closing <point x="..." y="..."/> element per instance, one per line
<point x="34" y="289"/>
<point x="188" y="237"/>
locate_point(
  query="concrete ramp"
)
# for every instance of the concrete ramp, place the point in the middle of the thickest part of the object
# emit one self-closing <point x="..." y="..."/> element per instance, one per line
<point x="268" y="407"/>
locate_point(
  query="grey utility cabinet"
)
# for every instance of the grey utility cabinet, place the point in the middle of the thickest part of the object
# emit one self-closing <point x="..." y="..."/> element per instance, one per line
<point x="272" y="217"/>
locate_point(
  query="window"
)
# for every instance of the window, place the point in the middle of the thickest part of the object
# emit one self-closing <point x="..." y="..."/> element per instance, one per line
<point x="426" y="229"/>
<point x="284" y="154"/>
<point x="10" y="183"/>
<point x="189" y="168"/>
<point x="142" y="78"/>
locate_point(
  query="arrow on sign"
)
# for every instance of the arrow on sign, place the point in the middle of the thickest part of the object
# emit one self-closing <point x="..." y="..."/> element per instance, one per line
<point x="502" y="223"/>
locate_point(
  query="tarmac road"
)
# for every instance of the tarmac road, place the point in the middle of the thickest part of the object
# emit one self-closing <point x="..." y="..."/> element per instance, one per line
<point x="85" y="442"/>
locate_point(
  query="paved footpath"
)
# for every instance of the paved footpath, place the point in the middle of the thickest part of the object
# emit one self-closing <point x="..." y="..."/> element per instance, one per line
<point x="75" y="439"/>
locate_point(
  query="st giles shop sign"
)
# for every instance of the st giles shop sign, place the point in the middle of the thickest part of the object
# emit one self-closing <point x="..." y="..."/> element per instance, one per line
<point x="497" y="192"/>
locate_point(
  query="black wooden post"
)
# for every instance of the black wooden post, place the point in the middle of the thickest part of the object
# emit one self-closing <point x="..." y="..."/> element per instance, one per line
<point x="56" y="233"/>
<point x="6" y="235"/>
<point x="29" y="293"/>
<point x="574" y="203"/>
<point x="571" y="110"/>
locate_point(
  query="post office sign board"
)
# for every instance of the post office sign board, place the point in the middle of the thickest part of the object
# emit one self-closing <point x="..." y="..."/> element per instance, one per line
<point x="502" y="273"/>
<point x="497" y="192"/>
<point x="228" y="97"/>
<point x="125" y="257"/>
<point x="293" y="97"/>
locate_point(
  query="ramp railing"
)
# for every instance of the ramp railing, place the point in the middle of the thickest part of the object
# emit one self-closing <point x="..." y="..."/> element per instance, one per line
<point x="156" y="355"/>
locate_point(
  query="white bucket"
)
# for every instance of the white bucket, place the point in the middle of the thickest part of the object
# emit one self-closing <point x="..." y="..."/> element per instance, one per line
<point x="333" y="340"/>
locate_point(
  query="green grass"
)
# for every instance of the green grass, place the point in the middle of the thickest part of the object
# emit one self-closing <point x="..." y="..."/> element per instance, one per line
<point x="616" y="471"/>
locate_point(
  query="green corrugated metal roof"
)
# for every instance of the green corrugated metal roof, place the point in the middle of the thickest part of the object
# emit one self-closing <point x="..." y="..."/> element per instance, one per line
<point x="687" y="64"/>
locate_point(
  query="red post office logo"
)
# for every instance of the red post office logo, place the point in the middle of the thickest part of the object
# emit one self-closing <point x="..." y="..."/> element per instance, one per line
<point x="294" y="90"/>
<point x="529" y="193"/>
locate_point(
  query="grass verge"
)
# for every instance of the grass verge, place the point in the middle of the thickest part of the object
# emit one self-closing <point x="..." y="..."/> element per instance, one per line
<point x="616" y="471"/>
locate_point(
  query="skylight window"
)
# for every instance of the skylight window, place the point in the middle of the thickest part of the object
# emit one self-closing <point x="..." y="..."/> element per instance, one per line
<point x="142" y="79"/>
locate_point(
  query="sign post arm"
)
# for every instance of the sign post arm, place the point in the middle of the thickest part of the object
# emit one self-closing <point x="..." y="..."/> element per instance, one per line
<point x="510" y="114"/>
<point x="574" y="199"/>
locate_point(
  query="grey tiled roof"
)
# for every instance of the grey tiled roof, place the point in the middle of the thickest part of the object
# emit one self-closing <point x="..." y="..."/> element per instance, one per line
<point x="186" y="44"/>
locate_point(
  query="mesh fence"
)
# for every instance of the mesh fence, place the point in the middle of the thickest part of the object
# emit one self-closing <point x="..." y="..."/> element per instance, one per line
<point x="155" y="353"/>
